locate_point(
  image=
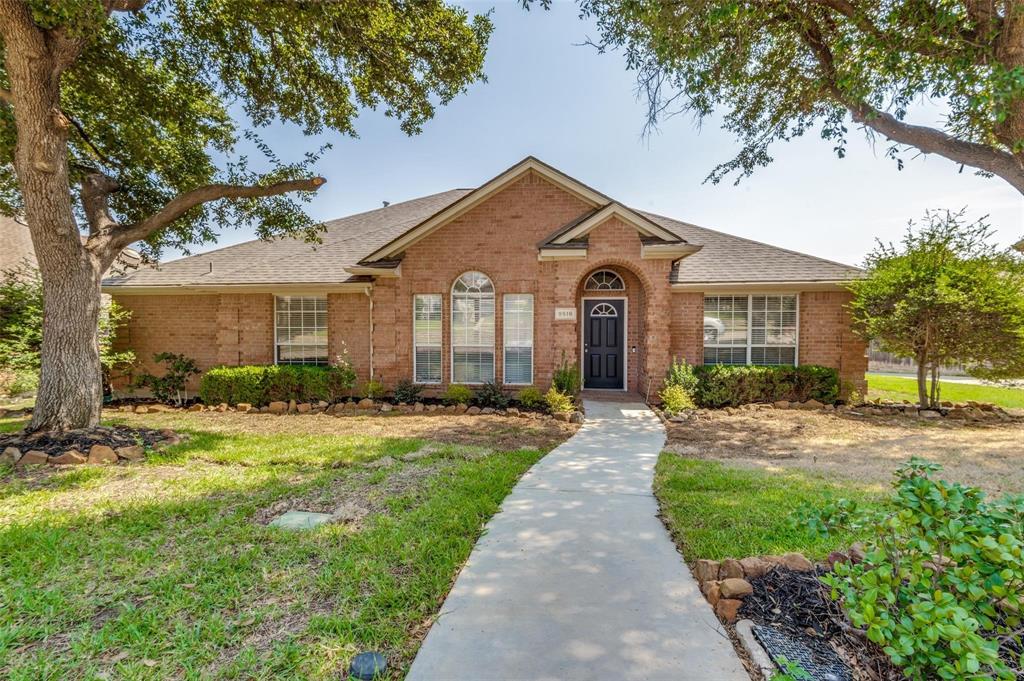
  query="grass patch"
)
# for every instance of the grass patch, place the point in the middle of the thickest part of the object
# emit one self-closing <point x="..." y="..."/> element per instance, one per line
<point x="715" y="511"/>
<point x="897" y="388"/>
<point x="162" y="570"/>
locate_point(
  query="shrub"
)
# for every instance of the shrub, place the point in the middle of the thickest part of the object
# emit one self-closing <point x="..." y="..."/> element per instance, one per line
<point x="681" y="374"/>
<point x="558" y="402"/>
<point x="675" y="399"/>
<point x="171" y="386"/>
<point x="407" y="391"/>
<point x="457" y="394"/>
<point x="941" y="586"/>
<point x="491" y="394"/>
<point x="15" y="382"/>
<point x="729" y="386"/>
<point x="261" y="385"/>
<point x="373" y="389"/>
<point x="566" y="378"/>
<point x="531" y="398"/>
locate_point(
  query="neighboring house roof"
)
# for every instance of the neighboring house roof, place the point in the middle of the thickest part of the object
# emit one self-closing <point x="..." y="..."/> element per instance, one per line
<point x="18" y="250"/>
<point x="356" y="247"/>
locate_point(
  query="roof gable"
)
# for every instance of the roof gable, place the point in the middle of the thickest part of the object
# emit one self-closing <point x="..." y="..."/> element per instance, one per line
<point x="579" y="228"/>
<point x="529" y="164"/>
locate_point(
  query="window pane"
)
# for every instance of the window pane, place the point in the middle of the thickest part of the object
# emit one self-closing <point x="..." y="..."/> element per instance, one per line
<point x="518" y="331"/>
<point x="301" y="333"/>
<point x="428" y="365"/>
<point x="472" y="365"/>
<point x="427" y="338"/>
<point x="725" y="320"/>
<point x="472" y="329"/>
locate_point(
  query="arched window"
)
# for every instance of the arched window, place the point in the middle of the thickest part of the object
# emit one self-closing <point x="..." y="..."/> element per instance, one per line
<point x="604" y="280"/>
<point x="604" y="310"/>
<point x="472" y="329"/>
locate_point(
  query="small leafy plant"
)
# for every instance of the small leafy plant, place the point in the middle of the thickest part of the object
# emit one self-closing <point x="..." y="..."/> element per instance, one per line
<point x="558" y="402"/>
<point x="567" y="378"/>
<point x="407" y="391"/>
<point x="373" y="389"/>
<point x="171" y="386"/>
<point x="531" y="398"/>
<point x="492" y="395"/>
<point x="675" y="398"/>
<point x="941" y="586"/>
<point x="457" y="394"/>
<point x="681" y="374"/>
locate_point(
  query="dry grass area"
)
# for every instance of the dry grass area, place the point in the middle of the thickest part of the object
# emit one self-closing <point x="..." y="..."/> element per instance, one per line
<point x="860" y="449"/>
<point x="497" y="432"/>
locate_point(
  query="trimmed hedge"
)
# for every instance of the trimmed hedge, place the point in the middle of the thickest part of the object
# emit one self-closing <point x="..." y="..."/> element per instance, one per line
<point x="261" y="385"/>
<point x="730" y="386"/>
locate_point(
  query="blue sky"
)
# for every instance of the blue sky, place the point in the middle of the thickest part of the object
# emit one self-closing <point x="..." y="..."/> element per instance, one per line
<point x="576" y="109"/>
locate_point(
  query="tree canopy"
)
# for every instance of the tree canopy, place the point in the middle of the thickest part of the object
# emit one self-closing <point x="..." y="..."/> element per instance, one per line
<point x="777" y="68"/>
<point x="156" y="96"/>
<point x="945" y="296"/>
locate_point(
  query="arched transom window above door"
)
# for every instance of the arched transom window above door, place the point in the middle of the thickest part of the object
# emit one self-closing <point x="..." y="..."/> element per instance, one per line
<point x="604" y="280"/>
<point x="604" y="310"/>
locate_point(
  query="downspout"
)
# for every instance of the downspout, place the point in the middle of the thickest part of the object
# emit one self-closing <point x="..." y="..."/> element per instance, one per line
<point x="369" y="294"/>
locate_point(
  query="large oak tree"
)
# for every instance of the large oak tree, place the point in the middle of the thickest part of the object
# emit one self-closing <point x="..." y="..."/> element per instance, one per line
<point x="777" y="68"/>
<point x="120" y="122"/>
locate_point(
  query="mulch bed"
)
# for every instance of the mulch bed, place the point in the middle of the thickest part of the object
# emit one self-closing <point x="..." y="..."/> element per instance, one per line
<point x="798" y="604"/>
<point x="55" y="443"/>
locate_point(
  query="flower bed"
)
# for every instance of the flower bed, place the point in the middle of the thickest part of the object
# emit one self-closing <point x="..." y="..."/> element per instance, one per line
<point x="99" y="445"/>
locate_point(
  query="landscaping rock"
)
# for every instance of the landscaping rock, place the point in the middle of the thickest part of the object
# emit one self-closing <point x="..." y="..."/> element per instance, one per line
<point x="70" y="457"/>
<point x="712" y="592"/>
<point x="735" y="587"/>
<point x="812" y="404"/>
<point x="196" y="407"/>
<point x="857" y="553"/>
<point x="141" y="409"/>
<point x="730" y="568"/>
<point x="10" y="455"/>
<point x="929" y="414"/>
<point x="432" y="407"/>
<point x="727" y="609"/>
<point x="244" y="407"/>
<point x="705" y="570"/>
<point x="418" y="407"/>
<point x="797" y="561"/>
<point x="754" y="567"/>
<point x="472" y="411"/>
<point x="32" y="457"/>
<point x="459" y="409"/>
<point x="385" y="408"/>
<point x="487" y="410"/>
<point x="366" y="403"/>
<point x="102" y="454"/>
<point x="304" y="408"/>
<point x="836" y="557"/>
<point x="277" y="407"/>
<point x="383" y="462"/>
<point x="322" y="404"/>
<point x="562" y="416"/>
<point x="132" y="453"/>
<point x="512" y="411"/>
<point x="292" y="406"/>
<point x="159" y="408"/>
<point x="576" y="417"/>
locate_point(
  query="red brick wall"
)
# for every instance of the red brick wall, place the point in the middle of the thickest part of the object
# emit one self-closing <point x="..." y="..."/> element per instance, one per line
<point x="826" y="337"/>
<point x="348" y="328"/>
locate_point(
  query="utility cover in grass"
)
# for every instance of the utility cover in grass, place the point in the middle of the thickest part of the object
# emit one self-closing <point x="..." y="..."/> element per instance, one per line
<point x="300" y="520"/>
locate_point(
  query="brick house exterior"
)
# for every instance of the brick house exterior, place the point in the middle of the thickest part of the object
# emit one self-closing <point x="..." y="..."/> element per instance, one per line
<point x="387" y="287"/>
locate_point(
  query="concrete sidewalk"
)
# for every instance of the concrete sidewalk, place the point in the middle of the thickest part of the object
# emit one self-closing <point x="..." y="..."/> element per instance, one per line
<point x="576" y="578"/>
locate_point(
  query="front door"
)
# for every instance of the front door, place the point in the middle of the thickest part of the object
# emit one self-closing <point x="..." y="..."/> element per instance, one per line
<point x="604" y="343"/>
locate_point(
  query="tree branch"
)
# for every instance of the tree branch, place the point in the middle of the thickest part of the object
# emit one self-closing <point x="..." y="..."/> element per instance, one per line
<point x="96" y="188"/>
<point x="126" y="234"/>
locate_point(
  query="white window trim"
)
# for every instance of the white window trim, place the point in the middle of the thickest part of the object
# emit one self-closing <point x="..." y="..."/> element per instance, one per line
<point x="750" y="318"/>
<point x="327" y="327"/>
<point x="602" y="290"/>
<point x="440" y="347"/>
<point x="451" y="332"/>
<point x="533" y="336"/>
<point x="626" y="347"/>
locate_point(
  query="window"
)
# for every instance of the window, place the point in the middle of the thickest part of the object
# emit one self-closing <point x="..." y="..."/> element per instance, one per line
<point x="604" y="310"/>
<point x="757" y="329"/>
<point x="472" y="329"/>
<point x="604" y="280"/>
<point x="426" y="333"/>
<point x="518" y="327"/>
<point x="300" y="330"/>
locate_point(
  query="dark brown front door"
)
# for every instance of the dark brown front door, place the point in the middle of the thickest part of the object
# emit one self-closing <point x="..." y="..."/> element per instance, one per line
<point x="604" y="343"/>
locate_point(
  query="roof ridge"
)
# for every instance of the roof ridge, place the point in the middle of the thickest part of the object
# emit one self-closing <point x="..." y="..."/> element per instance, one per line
<point x="751" y="241"/>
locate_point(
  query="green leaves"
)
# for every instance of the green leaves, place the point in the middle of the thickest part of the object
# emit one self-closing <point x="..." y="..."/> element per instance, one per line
<point x="942" y="581"/>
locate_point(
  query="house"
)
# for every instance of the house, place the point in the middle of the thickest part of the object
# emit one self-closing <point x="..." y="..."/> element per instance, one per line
<point x="18" y="253"/>
<point x="502" y="282"/>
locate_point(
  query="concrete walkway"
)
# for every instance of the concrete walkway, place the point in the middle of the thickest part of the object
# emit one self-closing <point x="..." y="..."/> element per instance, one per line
<point x="576" y="578"/>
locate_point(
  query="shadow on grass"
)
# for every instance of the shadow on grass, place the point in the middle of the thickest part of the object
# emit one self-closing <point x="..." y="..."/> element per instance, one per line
<point x="188" y="586"/>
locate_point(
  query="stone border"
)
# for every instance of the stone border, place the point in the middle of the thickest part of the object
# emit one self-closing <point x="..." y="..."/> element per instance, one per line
<point x="968" y="411"/>
<point x="97" y="454"/>
<point x="724" y="583"/>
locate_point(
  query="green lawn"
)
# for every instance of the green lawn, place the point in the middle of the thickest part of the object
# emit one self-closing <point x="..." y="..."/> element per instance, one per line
<point x="716" y="511"/>
<point x="898" y="389"/>
<point x="164" y="570"/>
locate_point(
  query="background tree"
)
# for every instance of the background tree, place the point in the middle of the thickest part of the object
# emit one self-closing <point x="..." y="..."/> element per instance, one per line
<point x="124" y="117"/>
<point x="780" y="67"/>
<point x="944" y="296"/>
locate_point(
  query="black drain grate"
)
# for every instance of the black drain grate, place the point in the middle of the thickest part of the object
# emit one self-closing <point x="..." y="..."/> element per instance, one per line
<point x="816" y="658"/>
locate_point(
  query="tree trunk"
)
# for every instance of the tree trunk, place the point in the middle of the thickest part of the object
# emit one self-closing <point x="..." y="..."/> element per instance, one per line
<point x="922" y="381"/>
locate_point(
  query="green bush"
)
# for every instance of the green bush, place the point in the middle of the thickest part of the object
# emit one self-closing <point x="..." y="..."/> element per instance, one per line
<point x="681" y="374"/>
<point x="566" y="378"/>
<point x="260" y="385"/>
<point x="457" y="394"/>
<point x="373" y="389"/>
<point x="730" y="386"/>
<point x="407" y="391"/>
<point x="15" y="382"/>
<point x="531" y="398"/>
<point x="941" y="586"/>
<point x="170" y="387"/>
<point x="491" y="394"/>
<point x="675" y="399"/>
<point x="558" y="402"/>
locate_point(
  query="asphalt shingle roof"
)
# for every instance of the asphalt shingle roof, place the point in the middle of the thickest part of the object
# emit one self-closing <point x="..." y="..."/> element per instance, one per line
<point x="724" y="258"/>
